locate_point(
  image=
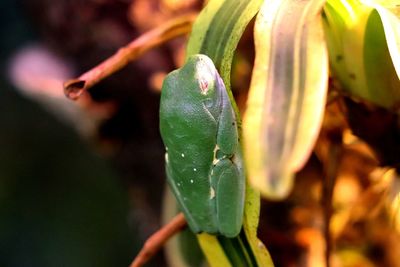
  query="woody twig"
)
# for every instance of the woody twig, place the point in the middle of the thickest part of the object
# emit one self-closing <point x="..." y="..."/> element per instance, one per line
<point x="74" y="88"/>
<point x="158" y="239"/>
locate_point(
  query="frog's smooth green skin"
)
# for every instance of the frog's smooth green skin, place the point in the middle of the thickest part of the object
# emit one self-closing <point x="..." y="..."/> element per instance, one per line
<point x="203" y="157"/>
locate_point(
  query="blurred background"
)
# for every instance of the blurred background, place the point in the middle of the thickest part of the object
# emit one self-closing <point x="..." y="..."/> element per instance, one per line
<point x="81" y="183"/>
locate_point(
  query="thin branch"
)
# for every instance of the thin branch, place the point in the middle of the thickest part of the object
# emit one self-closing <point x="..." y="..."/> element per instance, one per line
<point x="74" y="88"/>
<point x="158" y="239"/>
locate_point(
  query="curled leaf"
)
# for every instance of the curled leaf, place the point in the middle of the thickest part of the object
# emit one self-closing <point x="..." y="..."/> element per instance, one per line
<point x="364" y="45"/>
<point x="287" y="94"/>
<point x="216" y="34"/>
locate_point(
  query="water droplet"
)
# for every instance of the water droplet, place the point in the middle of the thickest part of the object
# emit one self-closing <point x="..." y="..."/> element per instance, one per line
<point x="195" y="169"/>
<point x="191" y="181"/>
<point x="183" y="155"/>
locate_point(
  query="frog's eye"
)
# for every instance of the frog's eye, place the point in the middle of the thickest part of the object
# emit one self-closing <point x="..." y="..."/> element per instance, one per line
<point x="203" y="84"/>
<point x="205" y="79"/>
<point x="205" y="71"/>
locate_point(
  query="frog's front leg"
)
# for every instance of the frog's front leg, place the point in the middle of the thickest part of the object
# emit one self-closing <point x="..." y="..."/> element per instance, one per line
<point x="227" y="195"/>
<point x="227" y="136"/>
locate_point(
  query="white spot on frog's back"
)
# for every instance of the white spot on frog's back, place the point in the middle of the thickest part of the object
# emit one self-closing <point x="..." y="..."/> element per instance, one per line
<point x="191" y="181"/>
<point x="216" y="148"/>
<point x="215" y="160"/>
<point x="194" y="169"/>
<point x="183" y="155"/>
<point x="212" y="192"/>
<point x="166" y="157"/>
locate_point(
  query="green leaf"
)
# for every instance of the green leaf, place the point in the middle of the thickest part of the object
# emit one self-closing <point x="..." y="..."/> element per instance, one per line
<point x="287" y="95"/>
<point x="364" y="46"/>
<point x="385" y="20"/>
<point x="213" y="251"/>
<point x="391" y="5"/>
<point x="216" y="34"/>
<point x="217" y="31"/>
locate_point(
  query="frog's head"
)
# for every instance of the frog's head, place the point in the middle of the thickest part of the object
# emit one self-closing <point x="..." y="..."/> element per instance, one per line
<point x="204" y="72"/>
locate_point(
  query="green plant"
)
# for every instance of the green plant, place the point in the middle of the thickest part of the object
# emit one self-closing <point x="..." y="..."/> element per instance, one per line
<point x="298" y="44"/>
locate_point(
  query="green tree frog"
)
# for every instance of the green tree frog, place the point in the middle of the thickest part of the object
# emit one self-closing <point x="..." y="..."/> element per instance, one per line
<point x="203" y="155"/>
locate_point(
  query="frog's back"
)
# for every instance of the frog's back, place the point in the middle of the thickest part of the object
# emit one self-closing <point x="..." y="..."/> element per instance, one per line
<point x="189" y="130"/>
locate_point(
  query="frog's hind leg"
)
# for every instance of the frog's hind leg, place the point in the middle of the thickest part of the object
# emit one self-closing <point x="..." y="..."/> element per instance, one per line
<point x="229" y="188"/>
<point x="194" y="226"/>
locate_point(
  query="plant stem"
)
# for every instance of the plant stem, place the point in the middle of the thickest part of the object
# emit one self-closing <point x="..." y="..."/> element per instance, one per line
<point x="74" y="88"/>
<point x="158" y="239"/>
<point x="331" y="172"/>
